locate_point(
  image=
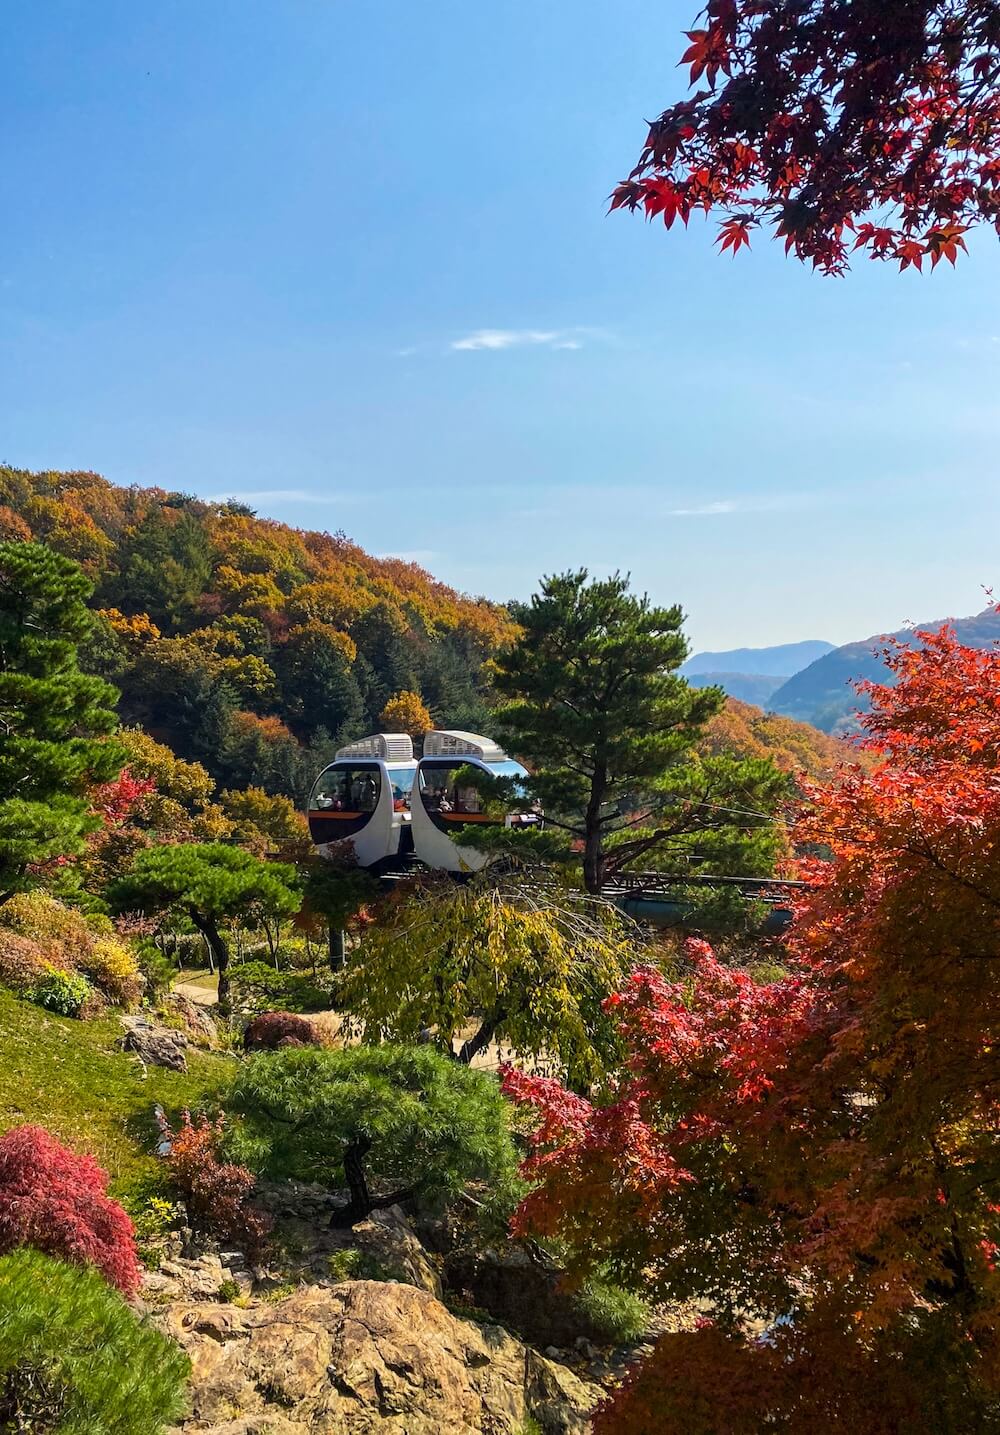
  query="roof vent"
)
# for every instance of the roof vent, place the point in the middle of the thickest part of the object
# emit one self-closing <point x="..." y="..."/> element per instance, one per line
<point x="384" y="746"/>
<point x="450" y="743"/>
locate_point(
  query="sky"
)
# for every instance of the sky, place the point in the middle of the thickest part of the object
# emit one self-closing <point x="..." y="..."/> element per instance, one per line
<point x="350" y="263"/>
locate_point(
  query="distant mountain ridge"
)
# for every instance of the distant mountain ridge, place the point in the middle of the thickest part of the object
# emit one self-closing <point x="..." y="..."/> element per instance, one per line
<point x="755" y="688"/>
<point x="751" y="675"/>
<point x="780" y="661"/>
<point x="822" y="693"/>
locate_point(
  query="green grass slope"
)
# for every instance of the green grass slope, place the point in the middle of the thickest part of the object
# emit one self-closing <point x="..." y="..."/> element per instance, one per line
<point x="69" y="1077"/>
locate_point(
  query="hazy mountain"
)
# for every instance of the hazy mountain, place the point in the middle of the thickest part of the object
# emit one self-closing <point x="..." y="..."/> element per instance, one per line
<point x="777" y="662"/>
<point x="752" y="674"/>
<point x="753" y="688"/>
<point x="822" y="694"/>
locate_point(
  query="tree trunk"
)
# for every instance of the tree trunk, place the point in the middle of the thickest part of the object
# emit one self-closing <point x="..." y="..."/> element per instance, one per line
<point x="337" y="949"/>
<point x="593" y="847"/>
<point x="360" y="1204"/>
<point x="217" y="947"/>
<point x="482" y="1038"/>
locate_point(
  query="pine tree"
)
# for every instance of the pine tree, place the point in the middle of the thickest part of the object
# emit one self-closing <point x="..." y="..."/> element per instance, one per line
<point x="51" y="714"/>
<point x="211" y="884"/>
<point x="598" y="711"/>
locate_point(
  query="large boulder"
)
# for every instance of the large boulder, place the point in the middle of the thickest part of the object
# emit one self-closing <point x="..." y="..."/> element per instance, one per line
<point x="387" y="1240"/>
<point x="153" y="1044"/>
<point x="366" y="1358"/>
<point x="195" y="1020"/>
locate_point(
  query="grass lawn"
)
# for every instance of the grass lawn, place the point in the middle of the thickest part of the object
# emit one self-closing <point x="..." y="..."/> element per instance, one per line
<point x="69" y="1077"/>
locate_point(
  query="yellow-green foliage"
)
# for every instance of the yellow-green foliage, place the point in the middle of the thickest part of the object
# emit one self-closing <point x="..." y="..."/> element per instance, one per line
<point x="531" y="966"/>
<point x="38" y="933"/>
<point x="111" y="966"/>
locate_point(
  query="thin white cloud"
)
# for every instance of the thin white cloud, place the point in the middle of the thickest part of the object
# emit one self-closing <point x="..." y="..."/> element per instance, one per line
<point x="723" y="507"/>
<point x="704" y="510"/>
<point x="498" y="339"/>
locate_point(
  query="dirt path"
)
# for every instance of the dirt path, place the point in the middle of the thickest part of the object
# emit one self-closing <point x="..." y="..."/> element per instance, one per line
<point x="203" y="992"/>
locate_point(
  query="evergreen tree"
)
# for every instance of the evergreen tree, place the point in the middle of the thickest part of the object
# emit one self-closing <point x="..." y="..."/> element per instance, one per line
<point x="318" y="687"/>
<point x="166" y="563"/>
<point x="51" y="714"/>
<point x="211" y="884"/>
<point x="597" y="709"/>
<point x="389" y="661"/>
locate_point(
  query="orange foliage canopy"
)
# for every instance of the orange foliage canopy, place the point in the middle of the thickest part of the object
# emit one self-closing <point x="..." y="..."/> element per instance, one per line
<point x="821" y="1151"/>
<point x="795" y="747"/>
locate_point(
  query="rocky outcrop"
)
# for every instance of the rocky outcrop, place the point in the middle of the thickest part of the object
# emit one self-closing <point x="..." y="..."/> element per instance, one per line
<point x="366" y="1358"/>
<point x="388" y="1243"/>
<point x="194" y="1019"/>
<point x="153" y="1044"/>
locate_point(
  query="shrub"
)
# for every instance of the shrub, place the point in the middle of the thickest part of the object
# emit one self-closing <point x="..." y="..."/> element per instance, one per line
<point x="41" y="917"/>
<point x="278" y="1028"/>
<point x="74" y="1358"/>
<point x="37" y="929"/>
<point x="22" y="961"/>
<point x="258" y="987"/>
<point x="65" y="993"/>
<point x="156" y="971"/>
<point x="152" y="1222"/>
<point x="613" y="1312"/>
<point x="217" y="1193"/>
<point x="113" y="968"/>
<point x="57" y="1202"/>
<point x="407" y="1115"/>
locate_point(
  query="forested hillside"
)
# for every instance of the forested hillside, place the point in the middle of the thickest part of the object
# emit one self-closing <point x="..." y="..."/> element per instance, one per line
<point x="245" y="644"/>
<point x="823" y="693"/>
<point x="746" y="731"/>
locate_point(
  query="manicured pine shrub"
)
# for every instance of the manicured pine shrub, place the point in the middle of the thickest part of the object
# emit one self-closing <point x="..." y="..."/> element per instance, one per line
<point x="217" y="1194"/>
<point x="273" y="1029"/>
<point x="406" y="1117"/>
<point x="75" y="1359"/>
<point x="56" y="1201"/>
<point x="257" y="986"/>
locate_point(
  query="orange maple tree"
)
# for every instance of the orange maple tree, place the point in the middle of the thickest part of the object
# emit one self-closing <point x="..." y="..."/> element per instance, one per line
<point x="871" y="125"/>
<point x="816" y="1159"/>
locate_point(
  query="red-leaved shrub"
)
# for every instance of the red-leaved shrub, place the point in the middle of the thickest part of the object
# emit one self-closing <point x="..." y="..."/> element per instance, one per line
<point x="57" y="1202"/>
<point x="216" y="1193"/>
<point x="278" y="1028"/>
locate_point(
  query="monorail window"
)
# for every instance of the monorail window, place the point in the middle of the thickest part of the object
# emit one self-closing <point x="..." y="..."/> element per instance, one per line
<point x="440" y="793"/>
<point x="401" y="779"/>
<point x="346" y="789"/>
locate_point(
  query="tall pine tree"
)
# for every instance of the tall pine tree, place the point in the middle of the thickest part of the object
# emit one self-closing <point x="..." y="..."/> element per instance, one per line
<point x="51" y="714"/>
<point x="597" y="709"/>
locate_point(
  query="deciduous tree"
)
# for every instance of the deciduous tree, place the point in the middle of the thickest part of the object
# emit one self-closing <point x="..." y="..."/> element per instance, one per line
<point x="525" y="967"/>
<point x="871" y="126"/>
<point x="406" y="712"/>
<point x="822" y="1150"/>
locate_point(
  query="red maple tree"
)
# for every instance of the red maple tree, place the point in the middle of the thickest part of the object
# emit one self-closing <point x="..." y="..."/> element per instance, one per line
<point x="57" y="1202"/>
<point x="873" y="125"/>
<point x="816" y="1159"/>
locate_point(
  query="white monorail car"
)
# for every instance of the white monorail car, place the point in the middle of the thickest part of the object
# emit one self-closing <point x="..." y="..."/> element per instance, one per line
<point x="388" y="805"/>
<point x="364" y="796"/>
<point x="445" y="815"/>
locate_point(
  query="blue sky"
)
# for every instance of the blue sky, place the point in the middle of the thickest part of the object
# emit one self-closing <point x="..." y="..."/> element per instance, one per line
<point x="350" y="261"/>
